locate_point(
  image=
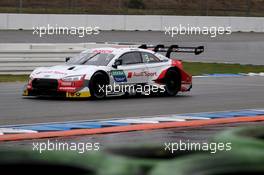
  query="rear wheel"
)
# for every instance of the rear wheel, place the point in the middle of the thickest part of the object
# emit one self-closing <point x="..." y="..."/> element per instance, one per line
<point x="172" y="83"/>
<point x="97" y="85"/>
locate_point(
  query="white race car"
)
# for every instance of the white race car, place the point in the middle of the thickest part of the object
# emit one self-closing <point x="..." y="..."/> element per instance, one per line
<point x="102" y="72"/>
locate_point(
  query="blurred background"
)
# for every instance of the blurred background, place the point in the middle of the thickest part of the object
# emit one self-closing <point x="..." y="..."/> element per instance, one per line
<point x="137" y="7"/>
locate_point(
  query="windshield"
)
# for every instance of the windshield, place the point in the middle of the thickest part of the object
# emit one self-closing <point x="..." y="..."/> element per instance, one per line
<point x="88" y="58"/>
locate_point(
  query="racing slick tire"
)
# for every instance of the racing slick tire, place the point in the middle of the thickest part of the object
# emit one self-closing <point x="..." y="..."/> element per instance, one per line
<point x="97" y="85"/>
<point x="172" y="82"/>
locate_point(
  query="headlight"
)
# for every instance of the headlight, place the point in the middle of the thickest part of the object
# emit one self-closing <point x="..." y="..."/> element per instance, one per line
<point x="73" y="78"/>
<point x="30" y="78"/>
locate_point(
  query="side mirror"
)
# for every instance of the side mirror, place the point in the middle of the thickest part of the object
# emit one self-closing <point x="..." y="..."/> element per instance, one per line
<point x="117" y="63"/>
<point x="67" y="59"/>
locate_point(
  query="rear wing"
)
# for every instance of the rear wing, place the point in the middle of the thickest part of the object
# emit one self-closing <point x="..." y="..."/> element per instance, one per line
<point x="173" y="48"/>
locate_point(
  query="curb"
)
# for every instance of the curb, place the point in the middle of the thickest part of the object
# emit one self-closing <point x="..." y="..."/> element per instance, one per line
<point x="139" y="127"/>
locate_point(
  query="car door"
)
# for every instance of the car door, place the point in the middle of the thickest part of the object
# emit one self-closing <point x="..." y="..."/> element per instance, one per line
<point x="133" y="67"/>
<point x="153" y="64"/>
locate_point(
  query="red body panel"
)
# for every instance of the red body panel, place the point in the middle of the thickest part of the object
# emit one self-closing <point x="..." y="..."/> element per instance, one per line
<point x="186" y="79"/>
<point x="70" y="86"/>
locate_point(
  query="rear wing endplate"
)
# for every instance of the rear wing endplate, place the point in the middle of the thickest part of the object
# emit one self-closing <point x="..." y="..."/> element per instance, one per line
<point x="173" y="48"/>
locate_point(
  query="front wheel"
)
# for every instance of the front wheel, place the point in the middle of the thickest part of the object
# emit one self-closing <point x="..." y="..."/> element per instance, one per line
<point x="97" y="85"/>
<point x="172" y="83"/>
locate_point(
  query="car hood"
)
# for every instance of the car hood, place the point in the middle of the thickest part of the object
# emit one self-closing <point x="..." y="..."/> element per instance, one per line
<point x="60" y="71"/>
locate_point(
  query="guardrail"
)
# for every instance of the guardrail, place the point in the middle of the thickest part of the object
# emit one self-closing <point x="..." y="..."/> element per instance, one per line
<point x="128" y="22"/>
<point x="23" y="58"/>
<point x="23" y="62"/>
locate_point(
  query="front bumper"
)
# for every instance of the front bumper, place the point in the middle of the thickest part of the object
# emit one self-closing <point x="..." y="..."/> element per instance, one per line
<point x="84" y="93"/>
<point x="56" y="88"/>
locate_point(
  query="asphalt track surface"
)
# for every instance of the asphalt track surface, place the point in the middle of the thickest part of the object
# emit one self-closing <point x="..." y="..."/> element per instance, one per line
<point x="243" y="48"/>
<point x="208" y="94"/>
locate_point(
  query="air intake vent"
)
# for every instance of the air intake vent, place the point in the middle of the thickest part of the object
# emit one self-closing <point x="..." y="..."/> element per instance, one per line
<point x="45" y="84"/>
<point x="71" y="68"/>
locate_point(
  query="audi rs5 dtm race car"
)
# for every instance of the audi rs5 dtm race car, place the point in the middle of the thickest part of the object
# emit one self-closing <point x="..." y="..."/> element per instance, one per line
<point x="102" y="72"/>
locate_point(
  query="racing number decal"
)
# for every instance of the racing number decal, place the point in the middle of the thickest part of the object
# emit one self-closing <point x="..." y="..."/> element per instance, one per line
<point x="78" y="94"/>
<point x="73" y="94"/>
<point x="119" y="75"/>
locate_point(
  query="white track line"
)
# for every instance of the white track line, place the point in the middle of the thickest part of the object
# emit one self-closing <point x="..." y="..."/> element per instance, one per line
<point x="15" y="131"/>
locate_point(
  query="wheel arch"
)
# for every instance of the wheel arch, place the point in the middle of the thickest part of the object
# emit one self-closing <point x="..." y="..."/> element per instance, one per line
<point x="104" y="73"/>
<point x="177" y="70"/>
<point x="161" y="78"/>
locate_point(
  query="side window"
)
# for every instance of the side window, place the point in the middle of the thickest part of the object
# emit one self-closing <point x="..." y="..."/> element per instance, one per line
<point x="149" y="58"/>
<point x="131" y="58"/>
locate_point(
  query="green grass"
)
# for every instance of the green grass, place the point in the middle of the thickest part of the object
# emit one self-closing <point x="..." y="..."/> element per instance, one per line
<point x="13" y="78"/>
<point x="197" y="68"/>
<point x="194" y="68"/>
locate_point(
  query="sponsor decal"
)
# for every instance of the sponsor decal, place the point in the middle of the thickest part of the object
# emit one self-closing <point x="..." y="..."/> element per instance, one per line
<point x="118" y="75"/>
<point x="141" y="74"/>
<point x="25" y="93"/>
<point x="78" y="94"/>
<point x="129" y="75"/>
